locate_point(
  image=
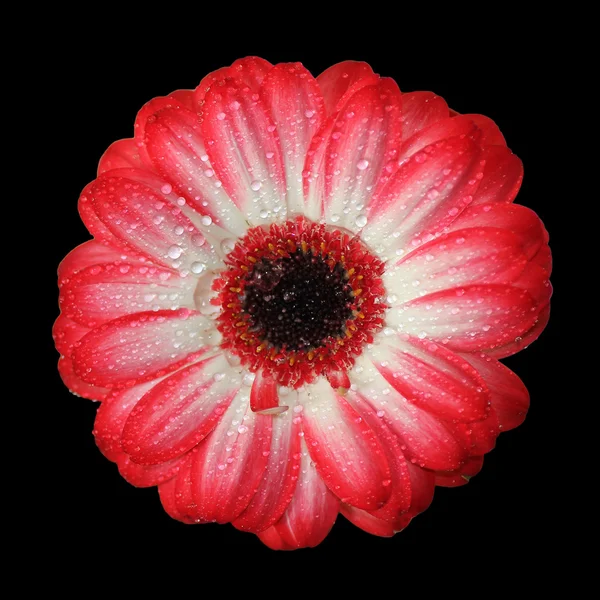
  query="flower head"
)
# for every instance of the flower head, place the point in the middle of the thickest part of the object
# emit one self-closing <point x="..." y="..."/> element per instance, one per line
<point x="296" y="298"/>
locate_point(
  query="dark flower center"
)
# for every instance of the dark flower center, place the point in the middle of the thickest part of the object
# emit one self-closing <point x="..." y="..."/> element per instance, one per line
<point x="297" y="302"/>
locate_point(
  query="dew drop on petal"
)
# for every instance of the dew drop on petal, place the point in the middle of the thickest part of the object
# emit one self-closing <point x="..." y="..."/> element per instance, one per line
<point x="174" y="252"/>
<point x="361" y="221"/>
<point x="197" y="267"/>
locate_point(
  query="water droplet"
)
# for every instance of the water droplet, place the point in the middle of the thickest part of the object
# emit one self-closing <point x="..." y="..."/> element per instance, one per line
<point x="361" y="221"/>
<point x="221" y="116"/>
<point x="166" y="189"/>
<point x="197" y="267"/>
<point x="174" y="252"/>
<point x="362" y="164"/>
<point x="206" y="220"/>
<point x="256" y="185"/>
<point x="227" y="245"/>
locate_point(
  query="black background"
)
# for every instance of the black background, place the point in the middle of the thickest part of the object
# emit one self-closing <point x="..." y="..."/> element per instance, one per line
<point x="94" y="88"/>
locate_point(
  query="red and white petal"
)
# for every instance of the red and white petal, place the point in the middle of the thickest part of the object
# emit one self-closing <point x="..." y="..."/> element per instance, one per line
<point x="146" y="115"/>
<point x="534" y="279"/>
<point x="264" y="397"/>
<point x="75" y="384"/>
<point x="140" y="347"/>
<point x="432" y="377"/>
<point x="175" y="494"/>
<point x="244" y="150"/>
<point x="310" y="515"/>
<point x="293" y="98"/>
<point x="424" y="438"/>
<point x="66" y="334"/>
<point x="462" y="476"/>
<point x="491" y="135"/>
<point x="280" y="477"/>
<point x="520" y="220"/>
<point x="464" y="257"/>
<point x="105" y="292"/>
<point x="480" y="437"/>
<point x="367" y="521"/>
<point x="346" y="452"/>
<point x="424" y="196"/>
<point x="400" y="496"/>
<point x="502" y="176"/>
<point x="342" y="80"/>
<point x="229" y="464"/>
<point x="121" y="154"/>
<point x="148" y="220"/>
<point x="86" y="255"/>
<point x="354" y="155"/>
<point x="112" y="416"/>
<point x="180" y="411"/>
<point x="250" y="71"/>
<point x="178" y="152"/>
<point x="525" y="339"/>
<point x="435" y="132"/>
<point x="148" y="476"/>
<point x="509" y="396"/>
<point x="420" y="110"/>
<point x="468" y="318"/>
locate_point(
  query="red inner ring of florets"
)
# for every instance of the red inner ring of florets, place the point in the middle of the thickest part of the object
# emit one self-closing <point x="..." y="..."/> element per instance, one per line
<point x="290" y="254"/>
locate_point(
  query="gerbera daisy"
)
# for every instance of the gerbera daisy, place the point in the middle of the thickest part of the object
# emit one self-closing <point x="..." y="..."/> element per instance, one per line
<point x="296" y="296"/>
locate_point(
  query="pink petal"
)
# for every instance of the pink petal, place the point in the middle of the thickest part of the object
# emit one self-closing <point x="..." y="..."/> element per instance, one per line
<point x="140" y="347"/>
<point x="353" y="154"/>
<point x="509" y="395"/>
<point x="424" y="438"/>
<point x="400" y="496"/>
<point x="66" y="334"/>
<point x="263" y="395"/>
<point x="464" y="257"/>
<point x="420" y="110"/>
<point x="112" y="416"/>
<point x="432" y="377"/>
<point x="179" y="412"/>
<point x="86" y="255"/>
<point x="437" y="131"/>
<point x="105" y="292"/>
<point x="525" y="339"/>
<point x="294" y="101"/>
<point x="121" y="154"/>
<point x="176" y="494"/>
<point x="75" y="384"/>
<point x="244" y="149"/>
<point x="468" y="318"/>
<point x="310" y="514"/>
<point x="178" y="153"/>
<point x="229" y="464"/>
<point x="502" y="176"/>
<point x="491" y="132"/>
<point x="367" y="521"/>
<point x="345" y="449"/>
<point x="462" y="475"/>
<point x="280" y="478"/>
<point x="148" y="220"/>
<point x="148" y="476"/>
<point x="146" y="115"/>
<point x="340" y="81"/>
<point x="250" y="71"/>
<point x="520" y="220"/>
<point x="425" y="195"/>
<point x="480" y="437"/>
